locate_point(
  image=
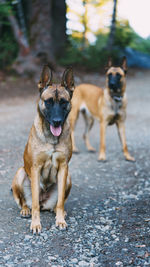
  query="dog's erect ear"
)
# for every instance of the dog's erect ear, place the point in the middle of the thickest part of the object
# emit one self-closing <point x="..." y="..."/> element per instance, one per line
<point x="109" y="64"/>
<point x="46" y="78"/>
<point x="68" y="80"/>
<point x="124" y="64"/>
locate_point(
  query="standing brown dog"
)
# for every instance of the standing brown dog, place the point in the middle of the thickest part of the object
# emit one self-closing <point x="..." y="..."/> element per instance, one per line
<point x="108" y="106"/>
<point x="44" y="181"/>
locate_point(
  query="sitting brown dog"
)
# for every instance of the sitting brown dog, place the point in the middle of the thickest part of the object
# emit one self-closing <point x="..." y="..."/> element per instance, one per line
<point x="44" y="181"/>
<point x="108" y="106"/>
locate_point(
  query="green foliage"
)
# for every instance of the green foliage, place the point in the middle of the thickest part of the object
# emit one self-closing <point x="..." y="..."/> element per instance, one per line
<point x="8" y="45"/>
<point x="94" y="57"/>
<point x="91" y="56"/>
<point x="124" y="34"/>
<point x="4" y="12"/>
<point x="140" y="44"/>
<point x="8" y="48"/>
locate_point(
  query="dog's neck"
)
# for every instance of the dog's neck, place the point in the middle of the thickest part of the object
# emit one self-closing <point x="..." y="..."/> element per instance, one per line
<point x="116" y="104"/>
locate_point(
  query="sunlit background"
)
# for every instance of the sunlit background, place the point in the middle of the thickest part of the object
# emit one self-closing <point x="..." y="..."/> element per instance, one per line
<point x="90" y="22"/>
<point x="81" y="33"/>
<point x="99" y="16"/>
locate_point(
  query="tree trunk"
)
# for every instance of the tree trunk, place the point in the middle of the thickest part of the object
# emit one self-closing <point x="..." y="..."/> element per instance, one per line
<point x="20" y="37"/>
<point x="84" y="21"/>
<point x="47" y="35"/>
<point x="41" y="30"/>
<point x="19" y="34"/>
<point x="113" y="28"/>
<point x="59" y="37"/>
<point x="40" y="35"/>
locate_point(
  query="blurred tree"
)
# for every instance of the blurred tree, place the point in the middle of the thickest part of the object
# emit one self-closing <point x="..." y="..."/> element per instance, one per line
<point x="8" y="45"/>
<point x="124" y="34"/>
<point x="43" y="23"/>
<point x="84" y="20"/>
<point x="19" y="32"/>
<point x="113" y="27"/>
<point x="40" y="30"/>
<point x="47" y="29"/>
<point x="59" y="36"/>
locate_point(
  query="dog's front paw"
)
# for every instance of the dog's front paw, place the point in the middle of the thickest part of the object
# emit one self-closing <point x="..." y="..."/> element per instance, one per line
<point x="35" y="226"/>
<point x="25" y="212"/>
<point x="91" y="149"/>
<point x="75" y="150"/>
<point x="61" y="223"/>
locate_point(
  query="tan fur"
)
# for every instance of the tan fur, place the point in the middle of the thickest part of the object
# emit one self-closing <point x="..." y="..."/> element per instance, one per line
<point x="44" y="181"/>
<point x="94" y="102"/>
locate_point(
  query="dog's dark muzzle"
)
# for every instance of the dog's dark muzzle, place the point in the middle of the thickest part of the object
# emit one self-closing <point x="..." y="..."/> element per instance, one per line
<point x="113" y="85"/>
<point x="56" y="122"/>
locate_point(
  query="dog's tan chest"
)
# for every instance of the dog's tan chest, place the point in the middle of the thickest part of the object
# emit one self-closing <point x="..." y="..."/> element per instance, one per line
<point x="113" y="117"/>
<point x="113" y="111"/>
<point x="50" y="168"/>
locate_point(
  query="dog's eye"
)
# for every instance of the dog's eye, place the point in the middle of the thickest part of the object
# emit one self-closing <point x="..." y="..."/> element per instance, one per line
<point x="63" y="102"/>
<point x="49" y="101"/>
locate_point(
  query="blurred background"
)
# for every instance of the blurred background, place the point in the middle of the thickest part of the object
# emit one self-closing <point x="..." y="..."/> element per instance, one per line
<point x="81" y="33"/>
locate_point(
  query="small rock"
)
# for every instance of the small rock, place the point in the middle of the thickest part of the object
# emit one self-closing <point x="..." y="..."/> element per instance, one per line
<point x="74" y="260"/>
<point x="83" y="263"/>
<point x="141" y="254"/>
<point x="125" y="249"/>
<point x="45" y="236"/>
<point x="51" y="258"/>
<point x="7" y="257"/>
<point x="126" y="240"/>
<point x="119" y="263"/>
<point x="98" y="227"/>
<point x="28" y="237"/>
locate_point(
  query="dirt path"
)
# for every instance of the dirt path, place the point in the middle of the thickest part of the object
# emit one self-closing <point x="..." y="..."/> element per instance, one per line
<point x="108" y="209"/>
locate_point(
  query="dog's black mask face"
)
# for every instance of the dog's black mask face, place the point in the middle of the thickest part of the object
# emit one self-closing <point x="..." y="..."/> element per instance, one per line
<point x="115" y="79"/>
<point x="55" y="99"/>
<point x="56" y="112"/>
<point x="115" y="85"/>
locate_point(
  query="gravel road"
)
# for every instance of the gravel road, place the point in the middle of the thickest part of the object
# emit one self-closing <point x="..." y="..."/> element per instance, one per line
<point x="108" y="210"/>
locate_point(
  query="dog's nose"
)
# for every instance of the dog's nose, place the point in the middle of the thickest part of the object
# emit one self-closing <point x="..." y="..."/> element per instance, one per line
<point x="112" y="85"/>
<point x="56" y="122"/>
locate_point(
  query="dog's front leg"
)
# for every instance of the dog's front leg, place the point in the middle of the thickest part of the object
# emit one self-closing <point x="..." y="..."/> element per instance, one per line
<point x="102" y="155"/>
<point x="121" y="132"/>
<point x="35" y="224"/>
<point x="62" y="179"/>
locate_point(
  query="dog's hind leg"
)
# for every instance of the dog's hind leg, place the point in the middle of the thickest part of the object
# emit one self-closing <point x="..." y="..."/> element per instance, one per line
<point x="52" y="196"/>
<point x="18" y="191"/>
<point x="89" y="121"/>
<point x="73" y="119"/>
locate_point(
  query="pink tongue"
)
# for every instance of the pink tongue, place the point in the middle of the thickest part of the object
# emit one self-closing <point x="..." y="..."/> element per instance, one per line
<point x="56" y="131"/>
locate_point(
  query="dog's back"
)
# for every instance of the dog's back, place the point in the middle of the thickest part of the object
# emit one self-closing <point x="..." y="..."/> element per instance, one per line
<point x="86" y="97"/>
